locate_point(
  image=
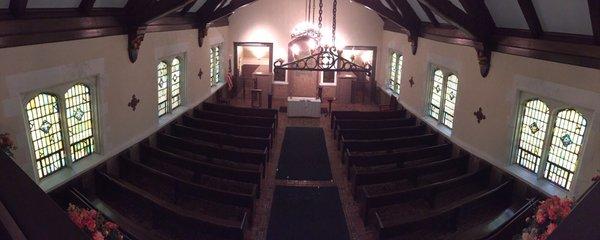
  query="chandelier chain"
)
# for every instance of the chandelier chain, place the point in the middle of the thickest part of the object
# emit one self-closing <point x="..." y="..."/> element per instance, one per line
<point x="313" y="11"/>
<point x="320" y="14"/>
<point x="334" y="21"/>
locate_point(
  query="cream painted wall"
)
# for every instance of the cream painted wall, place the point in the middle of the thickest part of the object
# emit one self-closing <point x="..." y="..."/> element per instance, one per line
<point x="497" y="94"/>
<point x="273" y="21"/>
<point x="29" y="68"/>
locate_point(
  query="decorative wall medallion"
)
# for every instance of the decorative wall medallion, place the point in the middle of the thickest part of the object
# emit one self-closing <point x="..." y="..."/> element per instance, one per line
<point x="411" y="81"/>
<point x="479" y="114"/>
<point x="133" y="103"/>
<point x="200" y="74"/>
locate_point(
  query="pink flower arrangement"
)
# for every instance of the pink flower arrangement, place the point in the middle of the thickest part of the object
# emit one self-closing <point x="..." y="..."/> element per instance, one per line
<point x="94" y="224"/>
<point x="548" y="215"/>
<point x="6" y="144"/>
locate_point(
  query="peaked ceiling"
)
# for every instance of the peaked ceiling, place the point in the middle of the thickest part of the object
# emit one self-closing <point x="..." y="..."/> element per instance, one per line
<point x="555" y="30"/>
<point x="566" y="31"/>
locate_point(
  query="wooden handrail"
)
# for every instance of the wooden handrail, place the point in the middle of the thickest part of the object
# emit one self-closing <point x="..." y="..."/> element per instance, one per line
<point x="36" y="214"/>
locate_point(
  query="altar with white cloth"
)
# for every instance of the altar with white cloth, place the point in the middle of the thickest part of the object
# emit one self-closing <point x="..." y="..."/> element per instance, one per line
<point x="303" y="107"/>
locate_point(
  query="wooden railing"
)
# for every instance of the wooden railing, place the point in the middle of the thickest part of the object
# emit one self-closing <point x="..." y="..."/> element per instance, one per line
<point x="33" y="212"/>
<point x="583" y="222"/>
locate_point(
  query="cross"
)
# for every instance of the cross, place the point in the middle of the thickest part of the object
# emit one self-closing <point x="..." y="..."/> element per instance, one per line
<point x="479" y="114"/>
<point x="134" y="102"/>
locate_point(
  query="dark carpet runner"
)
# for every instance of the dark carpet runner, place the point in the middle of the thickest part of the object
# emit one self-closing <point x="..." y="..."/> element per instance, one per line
<point x="300" y="213"/>
<point x="304" y="155"/>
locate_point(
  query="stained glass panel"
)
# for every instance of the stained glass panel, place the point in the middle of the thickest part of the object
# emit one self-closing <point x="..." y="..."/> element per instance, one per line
<point x="529" y="149"/>
<point x="436" y="94"/>
<point x="46" y="135"/>
<point x="163" y="78"/>
<point x="567" y="137"/>
<point x="79" y="121"/>
<point x="450" y="100"/>
<point x="175" y="83"/>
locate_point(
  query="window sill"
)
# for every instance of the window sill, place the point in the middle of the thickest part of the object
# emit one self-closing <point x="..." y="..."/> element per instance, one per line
<point x="328" y="84"/>
<point x="70" y="172"/>
<point x="447" y="132"/>
<point x="391" y="93"/>
<point x="280" y="83"/>
<point x="540" y="184"/>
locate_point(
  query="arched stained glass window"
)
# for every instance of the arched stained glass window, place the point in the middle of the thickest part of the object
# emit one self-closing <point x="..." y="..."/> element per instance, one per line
<point x="80" y="128"/>
<point x="450" y="100"/>
<point x="437" y="89"/>
<point x="175" y="83"/>
<point x="567" y="137"/>
<point x="215" y="65"/>
<point x="163" y="86"/>
<point x="46" y="134"/>
<point x="395" y="72"/>
<point x="534" y="124"/>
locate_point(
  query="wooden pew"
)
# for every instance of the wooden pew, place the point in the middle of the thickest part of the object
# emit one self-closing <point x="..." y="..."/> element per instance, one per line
<point x="222" y="138"/>
<point x="241" y="111"/>
<point x="504" y="226"/>
<point x="412" y="173"/>
<point x="235" y="119"/>
<point x="395" y="157"/>
<point x="372" y="124"/>
<point x="152" y="154"/>
<point x="384" y="145"/>
<point x="166" y="215"/>
<point x="374" y="134"/>
<point x="228" y="128"/>
<point x="135" y="172"/>
<point x="338" y="115"/>
<point x="212" y="152"/>
<point x="391" y="225"/>
<point x="372" y="197"/>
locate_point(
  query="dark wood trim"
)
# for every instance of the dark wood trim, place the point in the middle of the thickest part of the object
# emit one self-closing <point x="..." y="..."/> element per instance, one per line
<point x="86" y="6"/>
<point x="533" y="21"/>
<point x="594" y="6"/>
<point x="17" y="7"/>
<point x="430" y="15"/>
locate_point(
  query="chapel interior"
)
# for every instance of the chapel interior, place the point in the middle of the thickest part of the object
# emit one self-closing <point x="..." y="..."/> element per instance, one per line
<point x="299" y="119"/>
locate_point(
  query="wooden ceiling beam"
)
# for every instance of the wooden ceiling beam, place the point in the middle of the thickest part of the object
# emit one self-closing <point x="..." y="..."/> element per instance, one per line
<point x="17" y="7"/>
<point x="470" y="24"/>
<point x="223" y="11"/>
<point x="531" y="17"/>
<point x="594" y="6"/>
<point x="86" y="6"/>
<point x="430" y="15"/>
<point x="413" y="21"/>
<point x="187" y="8"/>
<point x="383" y="11"/>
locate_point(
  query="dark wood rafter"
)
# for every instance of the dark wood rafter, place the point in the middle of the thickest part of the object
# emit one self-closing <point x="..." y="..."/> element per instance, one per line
<point x="594" y="6"/>
<point x="412" y="19"/>
<point x="531" y="17"/>
<point x="470" y="24"/>
<point x="430" y="15"/>
<point x="86" y="6"/>
<point x="17" y="7"/>
<point x="215" y="10"/>
<point x="142" y="12"/>
<point x="187" y="8"/>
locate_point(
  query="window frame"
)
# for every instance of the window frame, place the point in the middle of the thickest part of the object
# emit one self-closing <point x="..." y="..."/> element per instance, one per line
<point x="59" y="91"/>
<point x="398" y="80"/>
<point x="440" y="120"/>
<point x="182" y="82"/>
<point x="555" y="107"/>
<point x="219" y="71"/>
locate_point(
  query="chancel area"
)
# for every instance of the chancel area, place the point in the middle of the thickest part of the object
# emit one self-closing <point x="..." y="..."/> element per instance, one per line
<point x="299" y="119"/>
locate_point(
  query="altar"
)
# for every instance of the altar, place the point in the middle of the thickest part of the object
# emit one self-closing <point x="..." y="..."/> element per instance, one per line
<point x="303" y="107"/>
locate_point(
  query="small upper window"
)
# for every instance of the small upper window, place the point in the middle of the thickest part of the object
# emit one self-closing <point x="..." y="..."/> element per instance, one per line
<point x="555" y="155"/>
<point x="443" y="94"/>
<point x="395" y="72"/>
<point x="169" y="81"/>
<point x="215" y="65"/>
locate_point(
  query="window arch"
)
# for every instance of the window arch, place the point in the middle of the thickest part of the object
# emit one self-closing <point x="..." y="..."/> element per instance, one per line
<point x="163" y="86"/>
<point x="43" y="114"/>
<point x="567" y="138"/>
<point x="175" y="83"/>
<point x="395" y="72"/>
<point x="534" y="123"/>
<point x="78" y="104"/>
